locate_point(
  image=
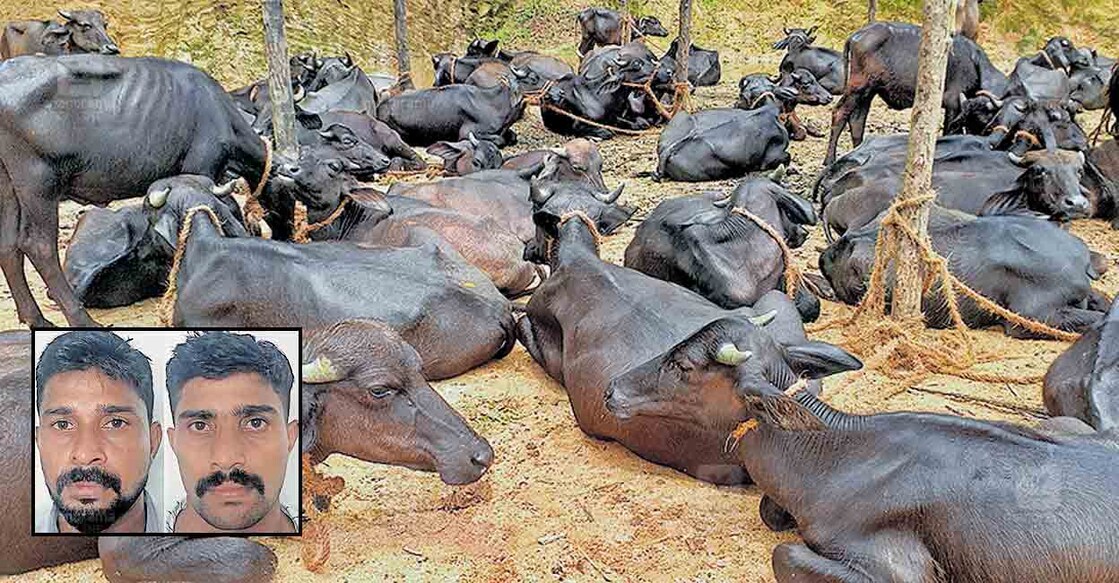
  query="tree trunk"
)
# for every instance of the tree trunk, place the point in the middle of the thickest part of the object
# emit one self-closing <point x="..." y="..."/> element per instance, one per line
<point x="932" y="62"/>
<point x="403" y="63"/>
<point x="279" y="80"/>
<point x="684" y="47"/>
<point x="627" y="22"/>
<point x="872" y="11"/>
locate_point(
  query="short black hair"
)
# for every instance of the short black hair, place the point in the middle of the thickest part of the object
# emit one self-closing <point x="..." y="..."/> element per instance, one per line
<point x="216" y="355"/>
<point x="103" y="350"/>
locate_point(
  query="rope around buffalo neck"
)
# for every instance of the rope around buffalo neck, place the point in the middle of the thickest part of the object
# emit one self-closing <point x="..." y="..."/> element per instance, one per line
<point x="302" y="232"/>
<point x="759" y="98"/>
<point x="166" y="310"/>
<point x="582" y="216"/>
<point x="793" y="277"/>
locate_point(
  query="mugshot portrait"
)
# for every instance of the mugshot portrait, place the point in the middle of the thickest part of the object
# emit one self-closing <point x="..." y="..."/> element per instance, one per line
<point x="162" y="431"/>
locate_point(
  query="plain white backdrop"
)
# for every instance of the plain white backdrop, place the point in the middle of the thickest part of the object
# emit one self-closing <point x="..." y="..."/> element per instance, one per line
<point x="164" y="482"/>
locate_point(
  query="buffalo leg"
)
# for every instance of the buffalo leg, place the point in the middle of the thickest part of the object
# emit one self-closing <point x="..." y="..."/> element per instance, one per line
<point x="177" y="558"/>
<point x="839" y="119"/>
<point x="586" y="45"/>
<point x="796" y="562"/>
<point x="776" y="518"/>
<point x="11" y="258"/>
<point x="858" y="120"/>
<point x="39" y="241"/>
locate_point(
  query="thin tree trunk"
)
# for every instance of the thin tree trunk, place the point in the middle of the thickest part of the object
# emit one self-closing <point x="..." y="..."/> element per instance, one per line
<point x="403" y="63"/>
<point x="279" y="80"/>
<point x="684" y="47"/>
<point x="627" y="22"/>
<point x="932" y="62"/>
<point x="872" y="11"/>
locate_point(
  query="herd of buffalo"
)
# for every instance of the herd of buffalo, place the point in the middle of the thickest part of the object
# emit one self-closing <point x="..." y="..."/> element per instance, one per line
<point x="668" y="354"/>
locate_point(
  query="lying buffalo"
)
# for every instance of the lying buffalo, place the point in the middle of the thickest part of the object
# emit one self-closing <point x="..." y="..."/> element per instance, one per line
<point x="1037" y="82"/>
<point x="798" y="87"/>
<point x="701" y="243"/>
<point x="966" y="176"/>
<point x="882" y="60"/>
<point x="52" y="148"/>
<point x="601" y="27"/>
<point x="418" y="291"/>
<point x="1082" y="382"/>
<point x="1023" y="263"/>
<point x="704" y="69"/>
<point x="450" y="69"/>
<point x="568" y="105"/>
<point x="81" y="31"/>
<point x="1089" y="83"/>
<point x="930" y="497"/>
<point x="452" y="113"/>
<point x="367" y="218"/>
<point x="826" y="65"/>
<point x="650" y="364"/>
<point x="714" y="144"/>
<point x="362" y="379"/>
<point x="579" y="160"/>
<point x="498" y="194"/>
<point x="466" y="156"/>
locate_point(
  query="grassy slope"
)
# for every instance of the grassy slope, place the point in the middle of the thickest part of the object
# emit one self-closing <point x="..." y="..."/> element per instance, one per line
<point x="224" y="37"/>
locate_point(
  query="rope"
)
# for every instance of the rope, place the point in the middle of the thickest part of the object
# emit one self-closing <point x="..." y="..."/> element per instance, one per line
<point x="1029" y="136"/>
<point x="1106" y="117"/>
<point x="302" y="233"/>
<point x="253" y="211"/>
<point x="166" y="310"/>
<point x="761" y="97"/>
<point x="582" y="216"/>
<point x="793" y="277"/>
<point x="536" y="97"/>
<point x="315" y="542"/>
<point x="596" y="124"/>
<point x="679" y="96"/>
<point x="985" y="93"/>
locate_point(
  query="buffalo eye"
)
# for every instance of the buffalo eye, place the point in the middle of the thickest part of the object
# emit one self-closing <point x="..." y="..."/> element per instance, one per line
<point x="334" y="165"/>
<point x="349" y="141"/>
<point x="380" y="392"/>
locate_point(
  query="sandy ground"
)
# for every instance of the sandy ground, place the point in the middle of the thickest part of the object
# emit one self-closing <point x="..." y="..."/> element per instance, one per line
<point x="558" y="505"/>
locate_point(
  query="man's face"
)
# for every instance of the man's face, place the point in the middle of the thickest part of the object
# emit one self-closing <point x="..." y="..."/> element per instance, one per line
<point x="95" y="445"/>
<point x="232" y="440"/>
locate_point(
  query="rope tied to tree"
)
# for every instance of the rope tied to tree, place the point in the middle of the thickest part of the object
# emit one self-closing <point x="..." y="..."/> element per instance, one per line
<point x="596" y="124"/>
<point x="302" y="231"/>
<point x="253" y="211"/>
<point x="166" y="310"/>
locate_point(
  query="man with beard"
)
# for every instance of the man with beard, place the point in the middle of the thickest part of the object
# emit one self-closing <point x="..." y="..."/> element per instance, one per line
<point x="96" y="437"/>
<point x="229" y="396"/>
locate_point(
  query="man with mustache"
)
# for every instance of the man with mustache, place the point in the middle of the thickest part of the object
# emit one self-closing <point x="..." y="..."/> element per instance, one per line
<point x="96" y="437"/>
<point x="229" y="396"/>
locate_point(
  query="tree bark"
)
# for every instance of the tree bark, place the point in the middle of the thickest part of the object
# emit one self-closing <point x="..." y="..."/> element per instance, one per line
<point x="932" y="62"/>
<point x="684" y="47"/>
<point x="627" y="22"/>
<point x="403" y="62"/>
<point x="872" y="11"/>
<point x="279" y="80"/>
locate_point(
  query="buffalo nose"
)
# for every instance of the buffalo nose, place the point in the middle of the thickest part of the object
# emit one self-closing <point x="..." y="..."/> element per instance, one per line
<point x="1076" y="203"/>
<point x="483" y="457"/>
<point x="110" y="49"/>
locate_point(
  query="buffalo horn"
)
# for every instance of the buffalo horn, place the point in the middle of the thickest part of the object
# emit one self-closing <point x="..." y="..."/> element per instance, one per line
<point x="1020" y="161"/>
<point x="613" y="196"/>
<point x="762" y="320"/>
<point x="730" y="355"/>
<point x="1080" y="157"/>
<point x="299" y="93"/>
<point x="560" y="152"/>
<point x="473" y="139"/>
<point x="224" y="189"/>
<point x="65" y="15"/>
<point x="778" y="174"/>
<point x="265" y="230"/>
<point x="320" y="370"/>
<point x="158" y="198"/>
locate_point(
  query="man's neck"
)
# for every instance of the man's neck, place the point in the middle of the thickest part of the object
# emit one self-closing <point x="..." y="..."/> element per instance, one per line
<point x="275" y="521"/>
<point x="135" y="520"/>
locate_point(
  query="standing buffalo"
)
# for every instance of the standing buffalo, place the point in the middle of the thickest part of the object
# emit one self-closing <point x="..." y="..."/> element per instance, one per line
<point x="601" y="27"/>
<point x="447" y="309"/>
<point x="882" y="60"/>
<point x="95" y="129"/>
<point x="967" y="19"/>
<point x="1023" y="263"/>
<point x="82" y="31"/>
<point x="703" y="244"/>
<point x="1083" y="381"/>
<point x="826" y="65"/>
<point x="924" y="497"/>
<point x="648" y="363"/>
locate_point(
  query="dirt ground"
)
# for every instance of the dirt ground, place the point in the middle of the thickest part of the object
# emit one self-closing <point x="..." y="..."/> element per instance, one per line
<point x="558" y="505"/>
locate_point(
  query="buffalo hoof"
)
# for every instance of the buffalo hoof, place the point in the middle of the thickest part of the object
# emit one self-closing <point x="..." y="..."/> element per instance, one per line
<point x="775" y="517"/>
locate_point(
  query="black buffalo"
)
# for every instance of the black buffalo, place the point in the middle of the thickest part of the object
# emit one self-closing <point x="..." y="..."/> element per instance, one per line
<point x="714" y="144"/>
<point x="601" y="27"/>
<point x="826" y="65"/>
<point x="452" y="113"/>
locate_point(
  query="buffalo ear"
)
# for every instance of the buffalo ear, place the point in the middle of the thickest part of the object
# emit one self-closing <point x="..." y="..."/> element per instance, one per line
<point x="816" y="360"/>
<point x="795" y="208"/>
<point x="490" y="48"/>
<point x="449" y="151"/>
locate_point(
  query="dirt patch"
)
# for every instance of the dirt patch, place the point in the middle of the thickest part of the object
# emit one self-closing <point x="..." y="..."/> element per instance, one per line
<point x="558" y="505"/>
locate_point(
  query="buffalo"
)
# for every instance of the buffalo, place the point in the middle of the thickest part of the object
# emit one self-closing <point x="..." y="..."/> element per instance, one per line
<point x="882" y="60"/>
<point x="701" y="243"/>
<point x="452" y="113"/>
<point x="648" y="363"/>
<point x="466" y="156"/>
<point x="82" y="31"/>
<point x="704" y="69"/>
<point x="929" y="497"/>
<point x="51" y="153"/>
<point x="223" y="281"/>
<point x="714" y="144"/>
<point x="797" y="87"/>
<point x="1021" y="262"/>
<point x="602" y="27"/>
<point x="578" y="160"/>
<point x="1081" y="382"/>
<point x="826" y="65"/>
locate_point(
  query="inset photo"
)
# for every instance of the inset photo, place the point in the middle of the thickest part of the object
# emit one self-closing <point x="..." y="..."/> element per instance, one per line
<point x="167" y="431"/>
